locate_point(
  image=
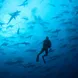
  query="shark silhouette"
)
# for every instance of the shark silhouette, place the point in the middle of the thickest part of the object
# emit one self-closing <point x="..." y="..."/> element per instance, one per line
<point x="1" y="23"/>
<point x="56" y="31"/>
<point x="30" y="36"/>
<point x="25" y="18"/>
<point x="24" y="3"/>
<point x="1" y="1"/>
<point x="18" y="31"/>
<point x="41" y="1"/>
<point x="13" y="16"/>
<point x="51" y="4"/>
<point x="10" y="26"/>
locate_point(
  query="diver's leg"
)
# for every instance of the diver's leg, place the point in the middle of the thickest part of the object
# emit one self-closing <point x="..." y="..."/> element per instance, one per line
<point x="46" y="54"/>
<point x="37" y="59"/>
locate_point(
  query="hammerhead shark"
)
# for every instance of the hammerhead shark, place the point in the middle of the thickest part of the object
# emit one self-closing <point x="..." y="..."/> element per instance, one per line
<point x="24" y="3"/>
<point x="13" y="16"/>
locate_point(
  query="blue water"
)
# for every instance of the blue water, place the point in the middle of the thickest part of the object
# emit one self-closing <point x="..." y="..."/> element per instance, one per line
<point x="24" y="24"/>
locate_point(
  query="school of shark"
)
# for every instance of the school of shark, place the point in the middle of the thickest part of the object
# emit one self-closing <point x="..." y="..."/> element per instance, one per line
<point x="24" y="25"/>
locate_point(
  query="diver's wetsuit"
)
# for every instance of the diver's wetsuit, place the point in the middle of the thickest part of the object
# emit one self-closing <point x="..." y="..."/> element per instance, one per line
<point x="46" y="45"/>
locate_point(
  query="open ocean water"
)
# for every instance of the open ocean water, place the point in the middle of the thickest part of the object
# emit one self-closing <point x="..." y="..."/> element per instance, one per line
<point x="24" y="25"/>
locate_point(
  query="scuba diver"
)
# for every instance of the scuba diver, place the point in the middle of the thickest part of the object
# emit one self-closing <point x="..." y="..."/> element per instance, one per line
<point x="46" y="46"/>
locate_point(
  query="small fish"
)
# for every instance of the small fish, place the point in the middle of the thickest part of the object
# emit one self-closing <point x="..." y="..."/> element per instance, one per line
<point x="13" y="16"/>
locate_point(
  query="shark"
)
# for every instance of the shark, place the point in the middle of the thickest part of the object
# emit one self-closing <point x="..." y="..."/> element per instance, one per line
<point x="18" y="31"/>
<point x="51" y="5"/>
<point x="30" y="36"/>
<point x="56" y="17"/>
<point x="56" y="31"/>
<point x="41" y="1"/>
<point x="25" y="43"/>
<point x="24" y="3"/>
<point x="25" y="18"/>
<point x="10" y="26"/>
<point x="71" y="29"/>
<point x="29" y="65"/>
<point x="77" y="13"/>
<point x="63" y="5"/>
<point x="13" y="16"/>
<point x="75" y="7"/>
<point x="4" y="44"/>
<point x="70" y="1"/>
<point x="13" y="62"/>
<point x="1" y="1"/>
<point x="2" y="53"/>
<point x="64" y="46"/>
<point x="1" y="24"/>
<point x="31" y="27"/>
